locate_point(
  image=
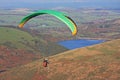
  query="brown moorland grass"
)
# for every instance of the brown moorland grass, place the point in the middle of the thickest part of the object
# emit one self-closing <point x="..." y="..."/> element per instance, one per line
<point x="98" y="62"/>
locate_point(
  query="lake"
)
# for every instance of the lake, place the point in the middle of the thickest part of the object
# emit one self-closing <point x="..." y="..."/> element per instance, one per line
<point x="72" y="44"/>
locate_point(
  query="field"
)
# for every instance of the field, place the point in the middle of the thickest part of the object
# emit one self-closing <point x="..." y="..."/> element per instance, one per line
<point x="13" y="17"/>
<point x="98" y="23"/>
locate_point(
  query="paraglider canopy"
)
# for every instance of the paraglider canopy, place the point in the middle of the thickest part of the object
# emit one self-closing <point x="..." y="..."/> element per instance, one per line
<point x="63" y="17"/>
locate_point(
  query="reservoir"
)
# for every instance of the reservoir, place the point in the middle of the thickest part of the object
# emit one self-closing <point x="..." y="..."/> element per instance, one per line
<point x="72" y="44"/>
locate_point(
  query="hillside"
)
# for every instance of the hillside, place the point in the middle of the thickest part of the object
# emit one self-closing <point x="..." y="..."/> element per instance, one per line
<point x="98" y="62"/>
<point x="15" y="38"/>
<point x="21" y="39"/>
<point x="10" y="57"/>
<point x="18" y="47"/>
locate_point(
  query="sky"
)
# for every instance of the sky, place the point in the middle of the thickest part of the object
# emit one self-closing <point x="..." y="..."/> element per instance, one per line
<point x="60" y="3"/>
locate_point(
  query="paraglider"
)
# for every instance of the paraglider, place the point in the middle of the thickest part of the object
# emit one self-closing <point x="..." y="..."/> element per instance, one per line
<point x="45" y="62"/>
<point x="63" y="17"/>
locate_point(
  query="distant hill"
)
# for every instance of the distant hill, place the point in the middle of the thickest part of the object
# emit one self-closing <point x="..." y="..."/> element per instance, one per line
<point x="98" y="62"/>
<point x="98" y="29"/>
<point x="15" y="38"/>
<point x="21" y="39"/>
<point x="98" y="23"/>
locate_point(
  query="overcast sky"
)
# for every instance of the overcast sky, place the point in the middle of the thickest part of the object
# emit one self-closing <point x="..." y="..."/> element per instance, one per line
<point x="60" y="3"/>
<point x="42" y="1"/>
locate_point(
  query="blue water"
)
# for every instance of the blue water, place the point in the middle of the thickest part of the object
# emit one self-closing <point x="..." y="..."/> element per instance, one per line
<point x="72" y="44"/>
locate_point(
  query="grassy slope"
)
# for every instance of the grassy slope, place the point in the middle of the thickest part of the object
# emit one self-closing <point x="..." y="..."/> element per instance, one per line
<point x="10" y="58"/>
<point x="98" y="62"/>
<point x="15" y="38"/>
<point x="19" y="39"/>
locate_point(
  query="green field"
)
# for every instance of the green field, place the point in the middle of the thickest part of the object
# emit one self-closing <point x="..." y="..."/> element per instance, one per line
<point x="15" y="38"/>
<point x="11" y="17"/>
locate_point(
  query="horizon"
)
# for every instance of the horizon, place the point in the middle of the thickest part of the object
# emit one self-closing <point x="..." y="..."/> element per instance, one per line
<point x="113" y="4"/>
